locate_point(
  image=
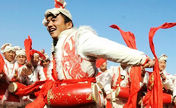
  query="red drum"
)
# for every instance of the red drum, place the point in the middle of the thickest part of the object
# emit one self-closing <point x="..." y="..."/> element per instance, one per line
<point x="167" y="98"/>
<point x="70" y="95"/>
<point x="122" y="92"/>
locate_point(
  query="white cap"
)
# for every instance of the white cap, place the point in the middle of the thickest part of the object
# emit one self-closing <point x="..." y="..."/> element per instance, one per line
<point x="162" y="57"/>
<point x="20" y="52"/>
<point x="17" y="48"/>
<point x="4" y="45"/>
<point x="36" y="54"/>
<point x="9" y="48"/>
<point x="55" y="12"/>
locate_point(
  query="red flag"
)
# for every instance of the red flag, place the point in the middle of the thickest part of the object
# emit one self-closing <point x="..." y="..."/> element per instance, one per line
<point x="135" y="73"/>
<point x="157" y="89"/>
<point x="28" y="47"/>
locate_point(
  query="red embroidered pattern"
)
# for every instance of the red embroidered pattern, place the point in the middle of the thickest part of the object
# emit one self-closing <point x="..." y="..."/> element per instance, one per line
<point x="71" y="62"/>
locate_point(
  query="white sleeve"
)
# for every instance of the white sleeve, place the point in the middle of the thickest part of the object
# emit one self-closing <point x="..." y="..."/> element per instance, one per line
<point x="146" y="78"/>
<point x="90" y="45"/>
<point x="168" y="84"/>
<point x="49" y="72"/>
<point x="41" y="74"/>
<point x="105" y="80"/>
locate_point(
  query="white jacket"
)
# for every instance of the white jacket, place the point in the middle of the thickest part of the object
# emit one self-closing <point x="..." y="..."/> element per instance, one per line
<point x="77" y="49"/>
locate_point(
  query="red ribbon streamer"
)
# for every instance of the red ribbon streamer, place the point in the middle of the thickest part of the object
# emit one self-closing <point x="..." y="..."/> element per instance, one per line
<point x="156" y="98"/>
<point x="135" y="73"/>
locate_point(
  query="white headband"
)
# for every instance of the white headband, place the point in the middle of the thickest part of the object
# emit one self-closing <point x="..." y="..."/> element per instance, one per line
<point x="5" y="45"/>
<point x="8" y="48"/>
<point x="163" y="57"/>
<point x="20" y="52"/>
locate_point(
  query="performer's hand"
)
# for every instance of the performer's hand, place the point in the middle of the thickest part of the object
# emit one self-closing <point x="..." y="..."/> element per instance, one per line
<point x="26" y="71"/>
<point x="150" y="63"/>
<point x="1" y="75"/>
<point x="163" y="76"/>
<point x="29" y="65"/>
<point x="109" y="96"/>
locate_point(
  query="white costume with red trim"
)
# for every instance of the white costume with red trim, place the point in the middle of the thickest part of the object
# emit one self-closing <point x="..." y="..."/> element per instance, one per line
<point x="110" y="81"/>
<point x="37" y="75"/>
<point x="118" y="101"/>
<point x="47" y="71"/>
<point x="10" y="71"/>
<point x="76" y="48"/>
<point x="167" y="85"/>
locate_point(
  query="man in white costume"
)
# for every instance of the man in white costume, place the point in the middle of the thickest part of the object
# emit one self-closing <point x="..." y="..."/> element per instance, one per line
<point x="115" y="83"/>
<point x="166" y="79"/>
<point x="77" y="49"/>
<point x="9" y="70"/>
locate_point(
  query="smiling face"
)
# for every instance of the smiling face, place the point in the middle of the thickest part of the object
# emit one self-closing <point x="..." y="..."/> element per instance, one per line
<point x="55" y="25"/>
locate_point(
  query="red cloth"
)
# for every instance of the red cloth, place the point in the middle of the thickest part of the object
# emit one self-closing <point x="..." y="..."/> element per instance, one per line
<point x="41" y="95"/>
<point x="1" y="64"/>
<point x="58" y="4"/>
<point x="135" y="72"/>
<point x="54" y="71"/>
<point x="45" y="69"/>
<point x="128" y="37"/>
<point x="24" y="90"/>
<point x="32" y="52"/>
<point x="99" y="62"/>
<point x="108" y="104"/>
<point x="28" y="47"/>
<point x="156" y="92"/>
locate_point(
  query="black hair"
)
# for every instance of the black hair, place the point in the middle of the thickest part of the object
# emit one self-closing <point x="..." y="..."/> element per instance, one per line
<point x="66" y="19"/>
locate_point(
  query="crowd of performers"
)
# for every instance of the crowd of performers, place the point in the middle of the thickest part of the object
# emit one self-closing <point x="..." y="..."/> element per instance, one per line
<point x="111" y="85"/>
<point x="76" y="74"/>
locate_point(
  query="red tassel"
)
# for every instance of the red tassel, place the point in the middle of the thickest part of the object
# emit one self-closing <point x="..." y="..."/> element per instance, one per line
<point x="58" y="4"/>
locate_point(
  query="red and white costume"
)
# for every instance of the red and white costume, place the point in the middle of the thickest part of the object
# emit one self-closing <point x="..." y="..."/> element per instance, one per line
<point x="37" y="75"/>
<point x="9" y="70"/>
<point x="116" y="82"/>
<point x="84" y="44"/>
<point x="77" y="49"/>
<point x="167" y="84"/>
<point x="75" y="54"/>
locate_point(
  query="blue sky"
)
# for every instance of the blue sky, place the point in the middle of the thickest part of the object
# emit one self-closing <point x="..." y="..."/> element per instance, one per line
<point x="20" y="18"/>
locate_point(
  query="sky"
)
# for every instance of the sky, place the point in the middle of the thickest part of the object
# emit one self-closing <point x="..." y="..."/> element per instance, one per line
<point x="20" y="18"/>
